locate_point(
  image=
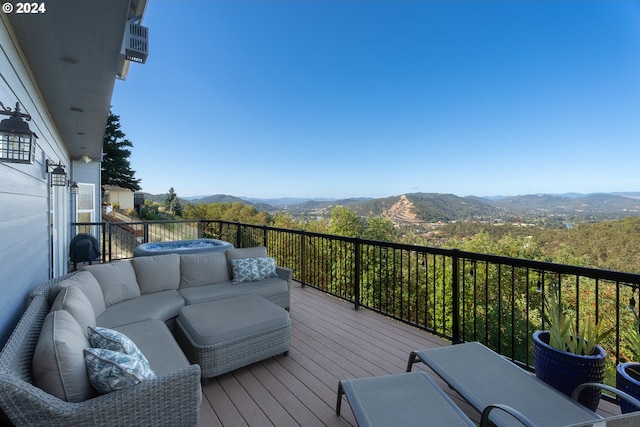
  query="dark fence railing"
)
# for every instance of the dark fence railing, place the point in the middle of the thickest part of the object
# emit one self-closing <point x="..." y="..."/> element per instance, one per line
<point x="460" y="296"/>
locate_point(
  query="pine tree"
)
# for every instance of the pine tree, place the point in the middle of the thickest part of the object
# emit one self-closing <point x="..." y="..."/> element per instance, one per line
<point x="172" y="203"/>
<point x="116" y="168"/>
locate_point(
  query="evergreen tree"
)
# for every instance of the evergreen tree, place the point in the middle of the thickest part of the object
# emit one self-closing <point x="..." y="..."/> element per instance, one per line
<point x="172" y="203"/>
<point x="116" y="168"/>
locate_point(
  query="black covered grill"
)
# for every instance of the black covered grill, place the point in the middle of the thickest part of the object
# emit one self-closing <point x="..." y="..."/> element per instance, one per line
<point x="84" y="248"/>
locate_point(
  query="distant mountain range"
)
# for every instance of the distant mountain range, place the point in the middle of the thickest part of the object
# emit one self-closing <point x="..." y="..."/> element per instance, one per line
<point x="437" y="207"/>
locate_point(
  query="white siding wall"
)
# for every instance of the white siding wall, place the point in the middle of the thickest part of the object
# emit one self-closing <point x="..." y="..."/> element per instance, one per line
<point x="25" y="233"/>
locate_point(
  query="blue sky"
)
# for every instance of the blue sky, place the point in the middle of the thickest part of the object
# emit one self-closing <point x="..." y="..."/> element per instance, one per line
<point x="375" y="98"/>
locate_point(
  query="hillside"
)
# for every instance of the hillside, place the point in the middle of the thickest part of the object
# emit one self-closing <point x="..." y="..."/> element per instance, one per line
<point x="427" y="208"/>
<point x="416" y="208"/>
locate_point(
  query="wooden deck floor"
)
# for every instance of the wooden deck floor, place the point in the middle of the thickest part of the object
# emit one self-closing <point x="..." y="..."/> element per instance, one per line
<point x="330" y="341"/>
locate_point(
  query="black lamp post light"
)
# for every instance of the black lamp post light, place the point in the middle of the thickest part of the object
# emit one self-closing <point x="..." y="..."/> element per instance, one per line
<point x="17" y="141"/>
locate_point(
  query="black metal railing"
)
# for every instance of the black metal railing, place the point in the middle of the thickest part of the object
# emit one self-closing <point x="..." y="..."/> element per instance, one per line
<point x="460" y="296"/>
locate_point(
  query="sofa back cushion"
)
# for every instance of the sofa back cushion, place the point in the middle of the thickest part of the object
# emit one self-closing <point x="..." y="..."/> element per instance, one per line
<point x="239" y="253"/>
<point x="157" y="273"/>
<point x="117" y="281"/>
<point x="76" y="303"/>
<point x="58" y="362"/>
<point x="203" y="269"/>
<point x="88" y="284"/>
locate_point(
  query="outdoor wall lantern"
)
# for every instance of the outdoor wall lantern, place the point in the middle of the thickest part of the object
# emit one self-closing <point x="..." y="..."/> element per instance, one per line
<point x="75" y="189"/>
<point x="17" y="141"/>
<point x="58" y="175"/>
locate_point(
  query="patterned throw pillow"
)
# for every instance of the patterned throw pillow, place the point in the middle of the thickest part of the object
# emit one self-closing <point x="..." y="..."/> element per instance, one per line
<point x="266" y="267"/>
<point x="109" y="339"/>
<point x="244" y="270"/>
<point x="112" y="370"/>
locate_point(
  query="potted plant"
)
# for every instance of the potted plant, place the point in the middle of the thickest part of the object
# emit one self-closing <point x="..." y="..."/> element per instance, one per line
<point x="564" y="360"/>
<point x="628" y="373"/>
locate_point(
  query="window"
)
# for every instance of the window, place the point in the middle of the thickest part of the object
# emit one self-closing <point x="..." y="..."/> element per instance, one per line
<point x="86" y="206"/>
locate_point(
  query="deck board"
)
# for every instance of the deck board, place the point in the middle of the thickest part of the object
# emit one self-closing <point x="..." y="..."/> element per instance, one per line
<point x="330" y="341"/>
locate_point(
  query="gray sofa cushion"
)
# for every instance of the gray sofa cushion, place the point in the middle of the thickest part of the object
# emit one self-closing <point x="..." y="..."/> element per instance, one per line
<point x="155" y="341"/>
<point x="160" y="305"/>
<point x="234" y="318"/>
<point x="239" y="253"/>
<point x="58" y="363"/>
<point x="74" y="301"/>
<point x="87" y="284"/>
<point x="203" y="269"/>
<point x="117" y="280"/>
<point x="157" y="273"/>
<point x="264" y="288"/>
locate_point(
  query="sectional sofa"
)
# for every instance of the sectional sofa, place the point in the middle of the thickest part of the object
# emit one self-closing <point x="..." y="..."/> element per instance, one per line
<point x="43" y="375"/>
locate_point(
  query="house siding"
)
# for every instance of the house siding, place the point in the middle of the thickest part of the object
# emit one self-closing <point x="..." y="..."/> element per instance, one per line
<point x="26" y="237"/>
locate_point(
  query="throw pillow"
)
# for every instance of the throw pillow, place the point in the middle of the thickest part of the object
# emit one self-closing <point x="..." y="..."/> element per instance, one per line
<point x="240" y="253"/>
<point x="109" y="339"/>
<point x="266" y="267"/>
<point x="112" y="370"/>
<point x="244" y="270"/>
<point x="73" y="300"/>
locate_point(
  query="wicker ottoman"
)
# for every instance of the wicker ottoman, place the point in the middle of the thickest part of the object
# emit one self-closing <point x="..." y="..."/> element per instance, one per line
<point x="228" y="334"/>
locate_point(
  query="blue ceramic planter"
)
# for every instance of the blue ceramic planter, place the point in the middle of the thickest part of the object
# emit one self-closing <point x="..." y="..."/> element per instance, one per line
<point x="565" y="371"/>
<point x="629" y="383"/>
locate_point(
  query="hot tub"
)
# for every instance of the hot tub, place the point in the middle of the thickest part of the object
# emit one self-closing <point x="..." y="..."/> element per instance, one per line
<point x="182" y="247"/>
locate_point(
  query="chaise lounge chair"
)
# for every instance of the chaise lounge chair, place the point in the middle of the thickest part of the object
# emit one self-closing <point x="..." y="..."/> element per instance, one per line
<point x="483" y="378"/>
<point x="402" y="400"/>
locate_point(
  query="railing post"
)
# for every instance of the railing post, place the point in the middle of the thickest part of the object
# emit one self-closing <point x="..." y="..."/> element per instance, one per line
<point x="103" y="231"/>
<point x="110" y="242"/>
<point x="238" y="235"/>
<point x="145" y="232"/>
<point x="303" y="258"/>
<point x="356" y="291"/>
<point x="200" y="229"/>
<point x="455" y="297"/>
<point x="264" y="236"/>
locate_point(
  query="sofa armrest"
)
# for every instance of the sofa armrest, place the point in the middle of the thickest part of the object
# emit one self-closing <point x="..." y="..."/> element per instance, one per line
<point x="170" y="399"/>
<point x="285" y="274"/>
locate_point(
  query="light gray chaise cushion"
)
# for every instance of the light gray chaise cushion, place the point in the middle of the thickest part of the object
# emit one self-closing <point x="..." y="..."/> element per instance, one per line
<point x="76" y="303"/>
<point x="203" y="269"/>
<point x="58" y="362"/>
<point x="87" y="284"/>
<point x="160" y="305"/>
<point x="157" y="273"/>
<point x="155" y="341"/>
<point x="265" y="288"/>
<point x="117" y="280"/>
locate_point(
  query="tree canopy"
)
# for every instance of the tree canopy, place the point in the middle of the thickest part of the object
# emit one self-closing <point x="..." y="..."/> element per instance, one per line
<point x="116" y="168"/>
